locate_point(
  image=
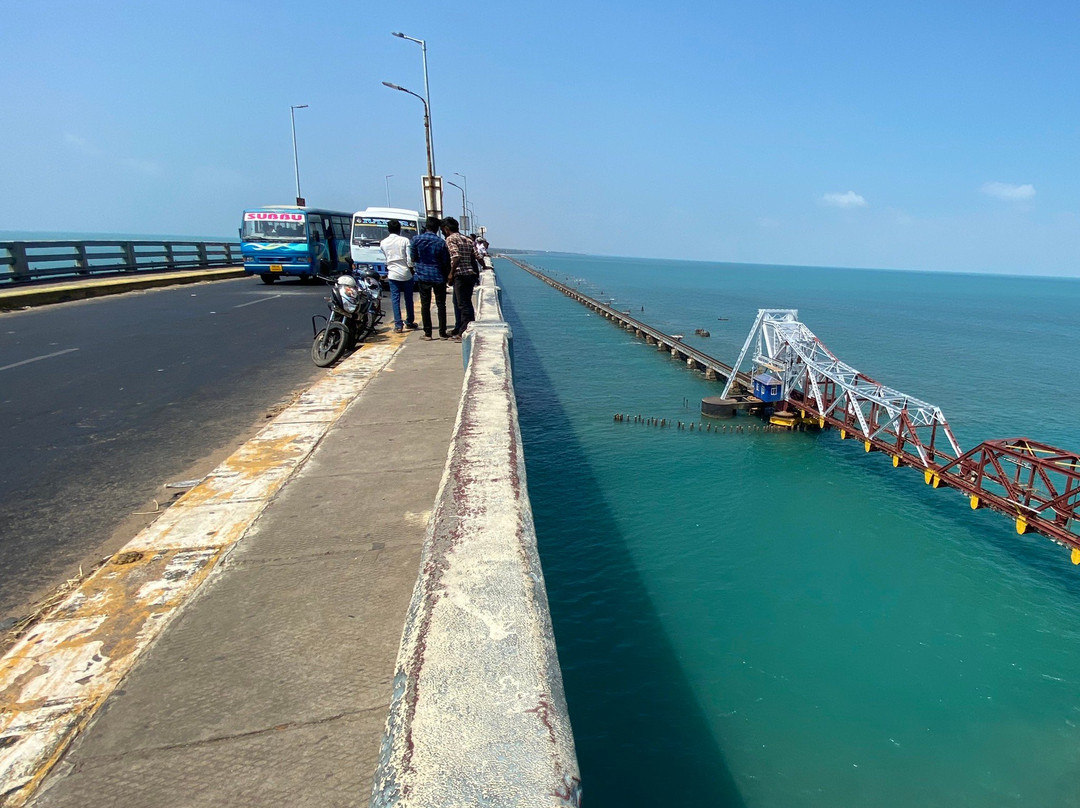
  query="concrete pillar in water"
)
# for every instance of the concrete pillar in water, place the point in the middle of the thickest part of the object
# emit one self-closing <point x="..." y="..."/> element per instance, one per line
<point x="711" y="374"/>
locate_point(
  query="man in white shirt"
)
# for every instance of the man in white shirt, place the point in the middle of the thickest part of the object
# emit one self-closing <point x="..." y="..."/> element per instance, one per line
<point x="397" y="250"/>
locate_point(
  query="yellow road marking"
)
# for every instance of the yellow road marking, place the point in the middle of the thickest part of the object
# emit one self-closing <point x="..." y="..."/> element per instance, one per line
<point x="55" y="677"/>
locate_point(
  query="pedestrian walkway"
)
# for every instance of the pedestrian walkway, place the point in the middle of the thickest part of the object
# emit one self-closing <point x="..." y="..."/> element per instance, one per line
<point x="271" y="687"/>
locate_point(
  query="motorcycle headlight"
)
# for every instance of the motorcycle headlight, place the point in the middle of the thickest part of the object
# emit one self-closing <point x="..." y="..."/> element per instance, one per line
<point x="350" y="298"/>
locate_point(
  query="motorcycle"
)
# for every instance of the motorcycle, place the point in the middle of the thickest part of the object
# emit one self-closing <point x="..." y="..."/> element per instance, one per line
<point x="355" y="311"/>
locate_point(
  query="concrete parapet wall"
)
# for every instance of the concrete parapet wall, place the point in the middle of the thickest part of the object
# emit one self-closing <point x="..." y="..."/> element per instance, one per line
<point x="478" y="715"/>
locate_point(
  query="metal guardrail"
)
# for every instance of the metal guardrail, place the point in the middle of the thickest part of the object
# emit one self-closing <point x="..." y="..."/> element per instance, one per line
<point x="31" y="261"/>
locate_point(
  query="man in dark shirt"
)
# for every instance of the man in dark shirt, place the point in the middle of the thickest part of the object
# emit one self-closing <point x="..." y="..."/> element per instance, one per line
<point x="431" y="266"/>
<point x="465" y="266"/>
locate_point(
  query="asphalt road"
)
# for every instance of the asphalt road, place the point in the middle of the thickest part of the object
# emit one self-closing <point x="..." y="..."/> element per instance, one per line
<point x="104" y="401"/>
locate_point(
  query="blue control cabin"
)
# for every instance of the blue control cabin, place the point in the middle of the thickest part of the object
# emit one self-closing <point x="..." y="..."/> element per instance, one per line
<point x="768" y="388"/>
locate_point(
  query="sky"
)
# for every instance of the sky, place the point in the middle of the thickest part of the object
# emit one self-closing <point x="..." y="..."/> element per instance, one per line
<point x="922" y="135"/>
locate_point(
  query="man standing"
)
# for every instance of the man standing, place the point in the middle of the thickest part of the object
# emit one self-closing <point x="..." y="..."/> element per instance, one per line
<point x="464" y="270"/>
<point x="432" y="266"/>
<point x="397" y="250"/>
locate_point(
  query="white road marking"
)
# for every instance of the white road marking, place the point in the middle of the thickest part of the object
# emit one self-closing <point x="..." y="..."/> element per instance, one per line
<point x="38" y="358"/>
<point x="253" y="302"/>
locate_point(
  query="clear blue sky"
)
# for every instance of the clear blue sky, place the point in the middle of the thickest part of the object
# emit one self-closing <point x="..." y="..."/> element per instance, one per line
<point x="919" y="135"/>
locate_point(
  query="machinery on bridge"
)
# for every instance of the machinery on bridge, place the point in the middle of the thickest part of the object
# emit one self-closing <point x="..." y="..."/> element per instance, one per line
<point x="1035" y="484"/>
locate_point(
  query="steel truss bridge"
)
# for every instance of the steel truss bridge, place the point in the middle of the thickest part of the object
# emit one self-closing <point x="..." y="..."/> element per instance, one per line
<point x="1035" y="484"/>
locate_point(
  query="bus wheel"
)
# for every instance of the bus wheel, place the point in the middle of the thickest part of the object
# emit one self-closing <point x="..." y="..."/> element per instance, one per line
<point x="268" y="279"/>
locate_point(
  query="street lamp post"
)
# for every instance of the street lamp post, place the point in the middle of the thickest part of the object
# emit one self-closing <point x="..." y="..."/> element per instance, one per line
<point x="296" y="162"/>
<point x="433" y="184"/>
<point x="427" y="97"/>
<point x="465" y="180"/>
<point x="464" y="207"/>
<point x="388" y="176"/>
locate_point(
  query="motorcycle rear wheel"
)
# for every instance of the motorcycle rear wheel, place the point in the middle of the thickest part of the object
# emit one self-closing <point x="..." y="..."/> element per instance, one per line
<point x="330" y="345"/>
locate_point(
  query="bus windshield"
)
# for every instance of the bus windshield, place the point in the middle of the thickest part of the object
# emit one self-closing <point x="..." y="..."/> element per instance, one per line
<point x="368" y="231"/>
<point x="265" y="230"/>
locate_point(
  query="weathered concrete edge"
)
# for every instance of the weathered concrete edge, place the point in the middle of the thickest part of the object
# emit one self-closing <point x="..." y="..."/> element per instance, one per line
<point x="478" y="714"/>
<point x="81" y="290"/>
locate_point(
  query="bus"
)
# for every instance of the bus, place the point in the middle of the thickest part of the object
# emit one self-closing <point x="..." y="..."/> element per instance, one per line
<point x="279" y="240"/>
<point x="369" y="228"/>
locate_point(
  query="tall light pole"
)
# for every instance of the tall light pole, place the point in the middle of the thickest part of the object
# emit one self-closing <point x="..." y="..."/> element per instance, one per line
<point x="427" y="97"/>
<point x="388" y="176"/>
<point x="295" y="159"/>
<point x="464" y="207"/>
<point x="466" y="181"/>
<point x="432" y="184"/>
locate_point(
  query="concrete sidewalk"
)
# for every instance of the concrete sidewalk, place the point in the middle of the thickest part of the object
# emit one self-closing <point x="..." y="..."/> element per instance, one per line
<point x="272" y="686"/>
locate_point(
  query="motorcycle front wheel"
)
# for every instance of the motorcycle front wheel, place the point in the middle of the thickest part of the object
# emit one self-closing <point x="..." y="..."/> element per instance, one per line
<point x="363" y="326"/>
<point x="330" y="345"/>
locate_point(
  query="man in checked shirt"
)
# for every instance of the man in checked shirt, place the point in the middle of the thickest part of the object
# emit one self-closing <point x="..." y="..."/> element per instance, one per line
<point x="465" y="265"/>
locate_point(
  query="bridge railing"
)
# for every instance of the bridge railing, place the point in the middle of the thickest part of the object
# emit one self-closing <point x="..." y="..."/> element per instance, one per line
<point x="30" y="261"/>
<point x="478" y="714"/>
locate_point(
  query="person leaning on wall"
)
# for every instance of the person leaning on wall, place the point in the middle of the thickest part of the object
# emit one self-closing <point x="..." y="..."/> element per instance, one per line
<point x="465" y="265"/>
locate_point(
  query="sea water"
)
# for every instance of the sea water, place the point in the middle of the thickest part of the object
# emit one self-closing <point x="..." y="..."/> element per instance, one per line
<point x="780" y="619"/>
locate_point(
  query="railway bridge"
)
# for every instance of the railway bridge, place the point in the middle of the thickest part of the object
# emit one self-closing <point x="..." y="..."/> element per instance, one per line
<point x="1033" y="483"/>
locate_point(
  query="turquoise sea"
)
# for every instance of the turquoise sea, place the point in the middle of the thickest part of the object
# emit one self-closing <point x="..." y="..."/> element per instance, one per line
<point x="781" y="620"/>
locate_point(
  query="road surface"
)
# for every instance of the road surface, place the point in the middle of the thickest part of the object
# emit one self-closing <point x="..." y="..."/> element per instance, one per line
<point x="104" y="401"/>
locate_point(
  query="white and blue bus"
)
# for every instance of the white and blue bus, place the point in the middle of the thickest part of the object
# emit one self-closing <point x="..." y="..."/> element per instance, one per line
<point x="369" y="228"/>
<point x="279" y="240"/>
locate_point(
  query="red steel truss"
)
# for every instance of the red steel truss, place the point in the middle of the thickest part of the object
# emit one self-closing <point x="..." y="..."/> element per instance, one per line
<point x="1036" y="484"/>
<point x="918" y="438"/>
<point x="1033" y="483"/>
